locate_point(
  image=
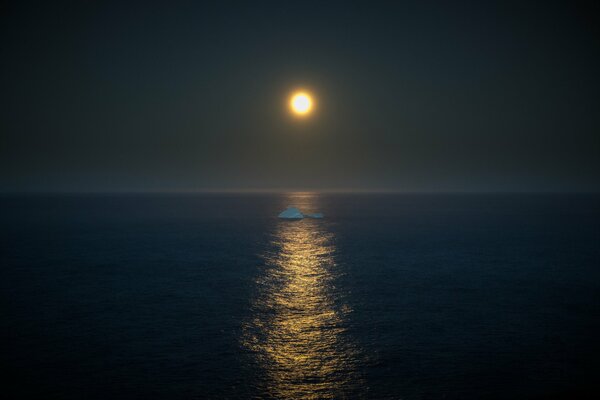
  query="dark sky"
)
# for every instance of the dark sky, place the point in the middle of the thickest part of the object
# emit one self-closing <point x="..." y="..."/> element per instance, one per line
<point x="412" y="96"/>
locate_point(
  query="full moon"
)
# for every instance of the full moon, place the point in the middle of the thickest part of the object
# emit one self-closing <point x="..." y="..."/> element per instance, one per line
<point x="301" y="103"/>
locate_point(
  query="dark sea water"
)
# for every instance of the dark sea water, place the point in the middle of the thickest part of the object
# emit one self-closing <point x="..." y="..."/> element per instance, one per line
<point x="388" y="297"/>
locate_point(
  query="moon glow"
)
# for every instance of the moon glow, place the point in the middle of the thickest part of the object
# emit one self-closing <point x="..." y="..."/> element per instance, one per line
<point x="301" y="103"/>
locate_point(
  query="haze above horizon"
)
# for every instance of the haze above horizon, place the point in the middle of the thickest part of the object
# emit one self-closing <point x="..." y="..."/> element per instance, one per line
<point x="412" y="97"/>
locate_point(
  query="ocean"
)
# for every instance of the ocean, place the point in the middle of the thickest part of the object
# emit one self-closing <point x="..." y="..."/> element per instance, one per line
<point x="390" y="296"/>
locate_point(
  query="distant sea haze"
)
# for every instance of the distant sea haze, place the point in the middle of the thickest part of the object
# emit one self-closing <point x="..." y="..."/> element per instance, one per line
<point x="431" y="296"/>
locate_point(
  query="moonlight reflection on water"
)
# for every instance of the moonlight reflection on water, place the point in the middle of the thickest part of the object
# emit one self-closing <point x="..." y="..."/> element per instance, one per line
<point x="298" y="328"/>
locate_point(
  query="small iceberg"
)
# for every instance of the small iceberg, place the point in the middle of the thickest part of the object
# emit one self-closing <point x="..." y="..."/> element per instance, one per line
<point x="294" y="213"/>
<point x="291" y="213"/>
<point x="315" y="215"/>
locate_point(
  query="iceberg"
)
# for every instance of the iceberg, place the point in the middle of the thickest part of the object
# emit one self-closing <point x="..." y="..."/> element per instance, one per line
<point x="291" y="213"/>
<point x="315" y="215"/>
<point x="294" y="213"/>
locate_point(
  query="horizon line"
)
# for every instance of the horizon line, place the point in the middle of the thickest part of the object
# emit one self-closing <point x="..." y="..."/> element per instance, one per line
<point x="283" y="191"/>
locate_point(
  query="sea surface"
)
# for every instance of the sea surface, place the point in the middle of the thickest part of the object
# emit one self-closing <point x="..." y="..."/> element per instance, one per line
<point x="457" y="296"/>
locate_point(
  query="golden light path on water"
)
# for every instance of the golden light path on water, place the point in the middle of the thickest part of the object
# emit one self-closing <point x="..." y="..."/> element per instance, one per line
<point x="298" y="331"/>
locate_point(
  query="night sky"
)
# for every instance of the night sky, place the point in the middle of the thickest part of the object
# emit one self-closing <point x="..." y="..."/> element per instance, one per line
<point x="413" y="96"/>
